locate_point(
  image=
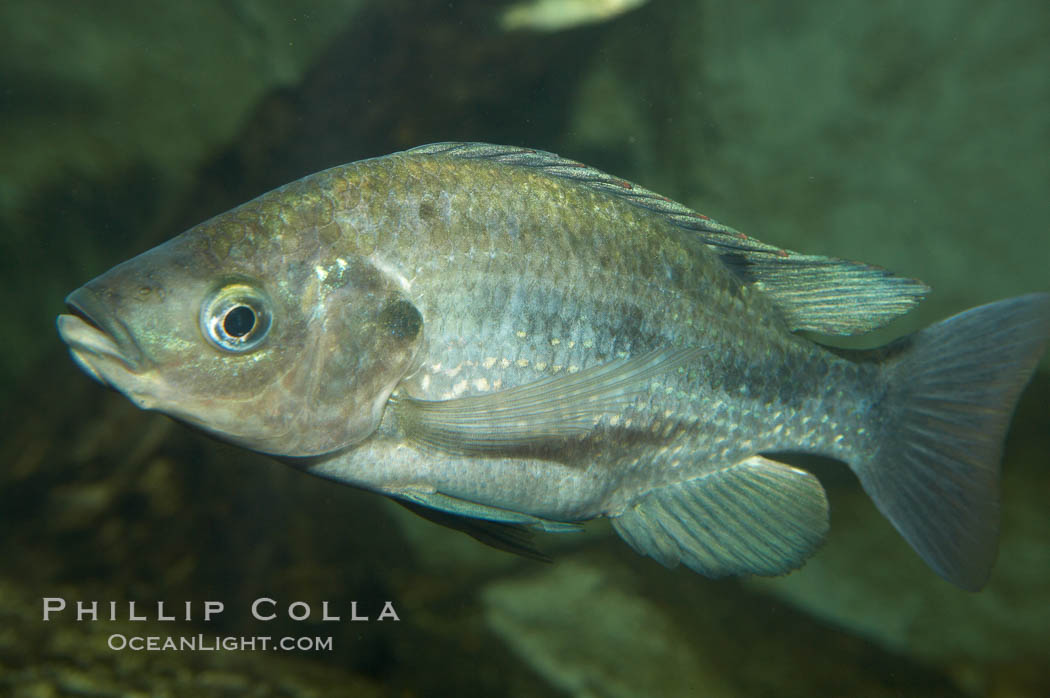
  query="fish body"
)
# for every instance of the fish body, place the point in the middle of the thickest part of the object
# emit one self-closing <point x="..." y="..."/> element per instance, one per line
<point x="559" y="15"/>
<point x="498" y="337"/>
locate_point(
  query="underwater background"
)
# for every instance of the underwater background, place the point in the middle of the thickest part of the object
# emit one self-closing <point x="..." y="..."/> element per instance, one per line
<point x="915" y="136"/>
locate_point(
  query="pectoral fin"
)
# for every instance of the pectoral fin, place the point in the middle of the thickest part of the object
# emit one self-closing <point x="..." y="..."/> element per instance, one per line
<point x="756" y="517"/>
<point x="550" y="410"/>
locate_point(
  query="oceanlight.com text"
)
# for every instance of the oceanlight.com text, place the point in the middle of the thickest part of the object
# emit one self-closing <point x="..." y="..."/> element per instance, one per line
<point x="215" y="643"/>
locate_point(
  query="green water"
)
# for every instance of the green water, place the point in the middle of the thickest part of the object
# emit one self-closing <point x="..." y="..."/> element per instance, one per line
<point x="914" y="136"/>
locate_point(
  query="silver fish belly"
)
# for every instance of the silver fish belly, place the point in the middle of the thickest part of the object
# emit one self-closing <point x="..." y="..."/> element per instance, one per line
<point x="499" y="338"/>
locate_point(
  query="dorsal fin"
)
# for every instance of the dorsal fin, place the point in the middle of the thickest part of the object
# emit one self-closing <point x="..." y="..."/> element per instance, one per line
<point x="819" y="294"/>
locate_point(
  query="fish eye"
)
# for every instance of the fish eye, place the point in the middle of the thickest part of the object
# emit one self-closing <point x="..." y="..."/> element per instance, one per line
<point x="236" y="318"/>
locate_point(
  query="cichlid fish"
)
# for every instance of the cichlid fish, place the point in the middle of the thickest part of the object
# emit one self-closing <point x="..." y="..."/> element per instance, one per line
<point x="502" y="339"/>
<point x="558" y="15"/>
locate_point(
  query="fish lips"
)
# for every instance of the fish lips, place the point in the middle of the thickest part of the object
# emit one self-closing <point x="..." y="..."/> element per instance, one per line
<point x="98" y="341"/>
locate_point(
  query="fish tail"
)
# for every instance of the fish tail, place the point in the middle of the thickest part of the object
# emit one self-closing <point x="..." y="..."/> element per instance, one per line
<point x="949" y="393"/>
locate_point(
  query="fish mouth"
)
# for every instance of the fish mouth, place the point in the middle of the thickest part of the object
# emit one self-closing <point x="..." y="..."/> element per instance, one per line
<point x="99" y="342"/>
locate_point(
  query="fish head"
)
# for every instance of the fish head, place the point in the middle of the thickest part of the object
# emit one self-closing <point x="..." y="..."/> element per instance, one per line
<point x="263" y="346"/>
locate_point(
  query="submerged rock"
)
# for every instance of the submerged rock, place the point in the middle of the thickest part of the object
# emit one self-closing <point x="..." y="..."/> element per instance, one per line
<point x="600" y="626"/>
<point x="591" y="636"/>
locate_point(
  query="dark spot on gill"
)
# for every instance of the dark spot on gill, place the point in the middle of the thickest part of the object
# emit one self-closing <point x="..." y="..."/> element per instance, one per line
<point x="402" y="320"/>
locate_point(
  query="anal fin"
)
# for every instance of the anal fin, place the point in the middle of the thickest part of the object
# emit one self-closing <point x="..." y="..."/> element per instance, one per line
<point x="755" y="517"/>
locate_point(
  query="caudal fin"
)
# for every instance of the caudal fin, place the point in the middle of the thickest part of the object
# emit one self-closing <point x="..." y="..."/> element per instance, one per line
<point x="951" y="390"/>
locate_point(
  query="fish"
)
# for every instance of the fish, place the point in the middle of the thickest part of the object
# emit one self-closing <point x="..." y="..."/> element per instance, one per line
<point x="507" y="341"/>
<point x="559" y="15"/>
